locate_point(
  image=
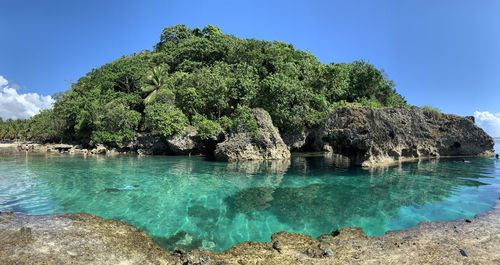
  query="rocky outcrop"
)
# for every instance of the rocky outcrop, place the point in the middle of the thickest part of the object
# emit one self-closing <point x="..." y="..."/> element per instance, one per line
<point x="371" y="137"/>
<point x="266" y="144"/>
<point x="188" y="143"/>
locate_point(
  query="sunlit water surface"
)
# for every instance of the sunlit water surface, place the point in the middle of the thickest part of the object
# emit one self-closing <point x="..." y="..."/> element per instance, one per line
<point x="189" y="202"/>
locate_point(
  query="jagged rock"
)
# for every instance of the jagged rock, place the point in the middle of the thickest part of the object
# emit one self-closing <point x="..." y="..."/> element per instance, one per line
<point x="149" y="145"/>
<point x="371" y="137"/>
<point x="184" y="144"/>
<point x="265" y="145"/>
<point x="295" y="140"/>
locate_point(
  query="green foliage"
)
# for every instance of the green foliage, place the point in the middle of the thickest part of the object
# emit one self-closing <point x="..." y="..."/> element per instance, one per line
<point x="210" y="80"/>
<point x="14" y="129"/>
<point x="435" y="112"/>
<point x="244" y="121"/>
<point x="114" y="124"/>
<point x="206" y="128"/>
<point x="164" y="119"/>
<point x="157" y="87"/>
<point x="45" y="127"/>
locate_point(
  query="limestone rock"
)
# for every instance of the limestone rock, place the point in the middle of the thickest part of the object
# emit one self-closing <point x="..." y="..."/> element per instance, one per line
<point x="184" y="144"/>
<point x="149" y="145"/>
<point x="371" y="137"/>
<point x="265" y="145"/>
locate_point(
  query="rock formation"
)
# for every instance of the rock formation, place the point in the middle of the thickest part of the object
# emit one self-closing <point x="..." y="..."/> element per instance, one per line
<point x="266" y="144"/>
<point x="371" y="137"/>
<point x="184" y="144"/>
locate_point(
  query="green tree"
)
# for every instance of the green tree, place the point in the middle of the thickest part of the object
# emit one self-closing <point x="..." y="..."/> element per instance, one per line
<point x="157" y="86"/>
<point x="164" y="119"/>
<point x="206" y="128"/>
<point x="210" y="80"/>
<point x="45" y="127"/>
<point x="115" y="124"/>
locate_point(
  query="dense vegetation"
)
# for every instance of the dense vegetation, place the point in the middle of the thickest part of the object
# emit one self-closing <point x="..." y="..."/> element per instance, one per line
<point x="206" y="79"/>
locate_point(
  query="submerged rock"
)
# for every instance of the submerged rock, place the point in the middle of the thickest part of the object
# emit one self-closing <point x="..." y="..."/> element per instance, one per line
<point x="371" y="137"/>
<point x="266" y="144"/>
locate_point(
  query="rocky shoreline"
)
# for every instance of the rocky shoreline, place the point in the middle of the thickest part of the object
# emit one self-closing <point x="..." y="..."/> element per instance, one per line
<point x="364" y="136"/>
<point x="86" y="239"/>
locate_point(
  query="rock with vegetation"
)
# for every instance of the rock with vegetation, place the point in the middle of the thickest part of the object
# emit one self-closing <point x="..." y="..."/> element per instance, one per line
<point x="371" y="137"/>
<point x="263" y="142"/>
<point x="201" y="78"/>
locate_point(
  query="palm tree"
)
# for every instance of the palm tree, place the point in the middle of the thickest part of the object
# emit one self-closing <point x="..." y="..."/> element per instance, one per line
<point x="156" y="82"/>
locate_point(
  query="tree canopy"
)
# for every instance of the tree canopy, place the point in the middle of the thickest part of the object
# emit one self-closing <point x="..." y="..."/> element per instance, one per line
<point x="207" y="79"/>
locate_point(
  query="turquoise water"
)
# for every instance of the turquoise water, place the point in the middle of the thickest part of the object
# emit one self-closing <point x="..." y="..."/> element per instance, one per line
<point x="189" y="202"/>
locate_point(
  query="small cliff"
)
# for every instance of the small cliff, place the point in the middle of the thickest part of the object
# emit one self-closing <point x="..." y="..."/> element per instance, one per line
<point x="370" y="137"/>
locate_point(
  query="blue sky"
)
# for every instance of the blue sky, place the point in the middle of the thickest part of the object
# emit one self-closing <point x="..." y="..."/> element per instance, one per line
<point x="441" y="53"/>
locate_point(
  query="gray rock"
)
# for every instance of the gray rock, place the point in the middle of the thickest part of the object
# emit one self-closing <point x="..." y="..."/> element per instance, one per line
<point x="295" y="141"/>
<point x="149" y="145"/>
<point x="184" y="144"/>
<point x="277" y="246"/>
<point x="371" y="137"/>
<point x="266" y="145"/>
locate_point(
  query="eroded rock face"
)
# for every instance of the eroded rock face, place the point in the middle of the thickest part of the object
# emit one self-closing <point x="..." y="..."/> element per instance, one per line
<point x="371" y="137"/>
<point x="265" y="145"/>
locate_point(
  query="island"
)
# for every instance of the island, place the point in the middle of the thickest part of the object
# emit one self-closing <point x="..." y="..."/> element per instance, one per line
<point x="203" y="92"/>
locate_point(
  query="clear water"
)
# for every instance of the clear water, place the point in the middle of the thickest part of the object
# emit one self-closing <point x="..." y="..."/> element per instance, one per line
<point x="189" y="202"/>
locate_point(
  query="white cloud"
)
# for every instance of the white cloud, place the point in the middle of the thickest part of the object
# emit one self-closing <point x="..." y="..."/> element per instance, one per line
<point x="20" y="106"/>
<point x="3" y="81"/>
<point x="490" y="122"/>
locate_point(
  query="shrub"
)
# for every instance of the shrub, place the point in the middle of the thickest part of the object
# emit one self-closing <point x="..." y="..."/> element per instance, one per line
<point x="164" y="119"/>
<point x="206" y="128"/>
<point x="435" y="112"/>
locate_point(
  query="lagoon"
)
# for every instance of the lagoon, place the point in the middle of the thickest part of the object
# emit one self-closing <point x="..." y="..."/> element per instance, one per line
<point x="191" y="202"/>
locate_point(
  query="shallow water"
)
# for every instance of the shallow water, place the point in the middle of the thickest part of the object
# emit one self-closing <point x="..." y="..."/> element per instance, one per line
<point x="189" y="202"/>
